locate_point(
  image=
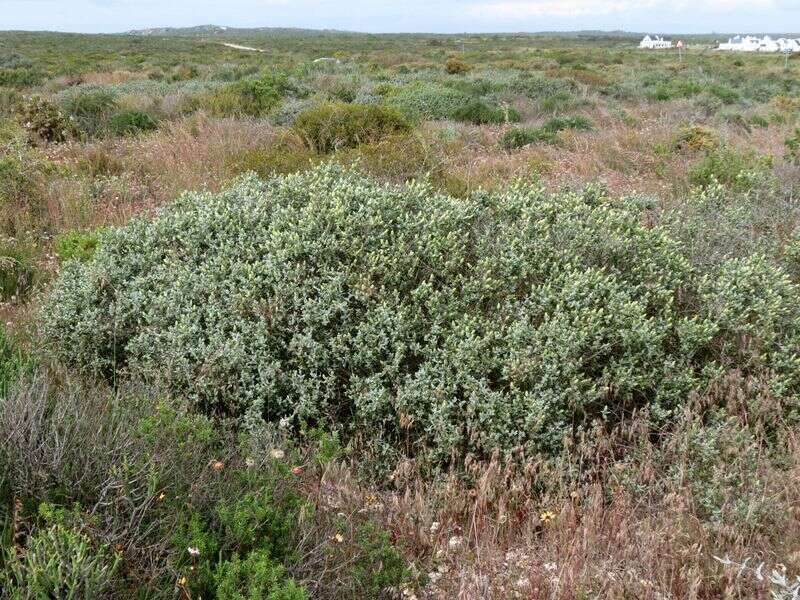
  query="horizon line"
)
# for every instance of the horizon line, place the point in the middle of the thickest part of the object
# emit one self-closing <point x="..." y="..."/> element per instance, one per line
<point x="254" y="28"/>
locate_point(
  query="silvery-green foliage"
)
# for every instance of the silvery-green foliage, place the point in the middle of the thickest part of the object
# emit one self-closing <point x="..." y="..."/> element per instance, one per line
<point x="148" y="87"/>
<point x="430" y="324"/>
<point x="753" y="306"/>
<point x="288" y="111"/>
<point x="428" y="101"/>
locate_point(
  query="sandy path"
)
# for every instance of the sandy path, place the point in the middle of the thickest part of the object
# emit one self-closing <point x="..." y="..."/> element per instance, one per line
<point x="238" y="47"/>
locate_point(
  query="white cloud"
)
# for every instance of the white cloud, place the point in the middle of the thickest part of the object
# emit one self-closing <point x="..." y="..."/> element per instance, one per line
<point x="576" y="8"/>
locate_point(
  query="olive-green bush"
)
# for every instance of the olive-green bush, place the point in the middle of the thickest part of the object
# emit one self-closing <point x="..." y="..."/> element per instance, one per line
<point x="480" y="113"/>
<point x="131" y="122"/>
<point x="518" y="137"/>
<point x="44" y="121"/>
<point x="59" y="562"/>
<point x="441" y="326"/>
<point x="340" y="125"/>
<point x="76" y="245"/>
<point x="428" y="101"/>
<point x="91" y="109"/>
<point x="738" y="170"/>
<point x="456" y="66"/>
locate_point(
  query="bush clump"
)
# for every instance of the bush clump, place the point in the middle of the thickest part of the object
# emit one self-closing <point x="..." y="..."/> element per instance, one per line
<point x="76" y="245"/>
<point x="519" y="137"/>
<point x="91" y="109"/>
<point x="456" y="66"/>
<point x="243" y="98"/>
<point x="793" y="148"/>
<point x="131" y="122"/>
<point x="59" y="562"/>
<point x="339" y="125"/>
<point x="738" y="170"/>
<point x="44" y="121"/>
<point x="697" y="138"/>
<point x="428" y="101"/>
<point x="480" y="113"/>
<point x="443" y="326"/>
<point x="13" y="363"/>
<point x="17" y="269"/>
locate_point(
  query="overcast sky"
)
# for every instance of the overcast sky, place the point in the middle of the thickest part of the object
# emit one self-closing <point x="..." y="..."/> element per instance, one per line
<point x="668" y="16"/>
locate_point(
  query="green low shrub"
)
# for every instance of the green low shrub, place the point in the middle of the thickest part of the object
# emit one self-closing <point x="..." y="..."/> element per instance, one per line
<point x="260" y="520"/>
<point x="374" y="548"/>
<point x="480" y="113"/>
<point x="443" y="326"/>
<point x="576" y="122"/>
<point x="91" y="109"/>
<point x="518" y="137"/>
<point x="557" y="103"/>
<point x="18" y="182"/>
<point x="273" y="159"/>
<point x="44" y="121"/>
<point x="13" y="363"/>
<point x="538" y="87"/>
<point x="255" y="577"/>
<point x="20" y="77"/>
<point x="59" y="562"/>
<point x="17" y="269"/>
<point x="738" y="170"/>
<point x="428" y="101"/>
<point x="246" y="97"/>
<point x="194" y="507"/>
<point x="131" y="122"/>
<point x="76" y="245"/>
<point x="724" y="93"/>
<point x="676" y="88"/>
<point x="24" y="173"/>
<point x="339" y="125"/>
<point x="793" y="148"/>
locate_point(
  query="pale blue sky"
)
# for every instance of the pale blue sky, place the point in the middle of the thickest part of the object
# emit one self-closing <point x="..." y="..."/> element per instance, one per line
<point x="684" y="16"/>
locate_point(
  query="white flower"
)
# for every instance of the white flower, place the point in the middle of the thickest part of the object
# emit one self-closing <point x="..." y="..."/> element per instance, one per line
<point x="193" y="551"/>
<point x="277" y="453"/>
<point x="455" y="542"/>
<point x="551" y="566"/>
<point x="435" y="526"/>
<point x="249" y="462"/>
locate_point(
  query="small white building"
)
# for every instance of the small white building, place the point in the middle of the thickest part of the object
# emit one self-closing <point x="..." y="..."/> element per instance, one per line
<point x="768" y="45"/>
<point x="788" y="45"/>
<point x="751" y="43"/>
<point x="654" y="43"/>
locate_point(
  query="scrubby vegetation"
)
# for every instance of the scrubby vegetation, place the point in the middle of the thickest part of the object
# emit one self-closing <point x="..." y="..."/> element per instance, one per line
<point x="373" y="317"/>
<point x="528" y="293"/>
<point x="332" y="126"/>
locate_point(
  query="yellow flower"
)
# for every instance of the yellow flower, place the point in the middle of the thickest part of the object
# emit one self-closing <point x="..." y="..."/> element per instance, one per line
<point x="547" y="516"/>
<point x="182" y="581"/>
<point x="338" y="538"/>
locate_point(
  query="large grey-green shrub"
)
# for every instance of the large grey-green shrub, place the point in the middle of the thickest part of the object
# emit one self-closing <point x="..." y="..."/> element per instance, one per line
<point x="430" y="325"/>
